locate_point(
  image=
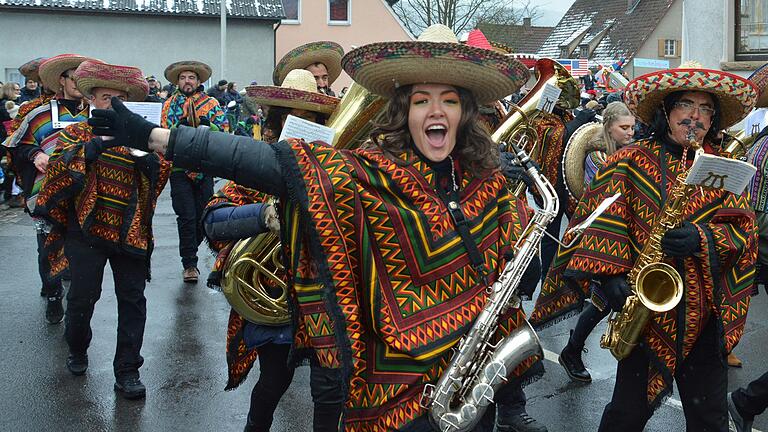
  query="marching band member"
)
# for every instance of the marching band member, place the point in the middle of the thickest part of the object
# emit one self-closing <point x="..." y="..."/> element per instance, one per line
<point x="380" y="265"/>
<point x="322" y="58"/>
<point x="189" y="105"/>
<point x="31" y="145"/>
<point x="100" y="200"/>
<point x="714" y="251"/>
<point x="237" y="212"/>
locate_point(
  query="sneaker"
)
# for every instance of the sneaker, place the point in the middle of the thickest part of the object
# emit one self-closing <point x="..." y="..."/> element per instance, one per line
<point x="77" y="364"/>
<point x="740" y="423"/>
<point x="130" y="387"/>
<point x="520" y="423"/>
<point x="54" y="310"/>
<point x="570" y="360"/>
<point x="191" y="274"/>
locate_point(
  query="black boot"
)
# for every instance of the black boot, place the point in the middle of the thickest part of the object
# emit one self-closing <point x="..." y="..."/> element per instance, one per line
<point x="570" y="359"/>
<point x="77" y="364"/>
<point x="54" y="310"/>
<point x="519" y="423"/>
<point x="130" y="387"/>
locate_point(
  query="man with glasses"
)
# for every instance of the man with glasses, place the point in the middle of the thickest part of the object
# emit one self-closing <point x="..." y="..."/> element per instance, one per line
<point x="31" y="146"/>
<point x="713" y="249"/>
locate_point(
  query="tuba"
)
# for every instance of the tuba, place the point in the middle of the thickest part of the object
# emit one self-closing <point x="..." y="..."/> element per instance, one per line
<point x="253" y="280"/>
<point x="584" y="140"/>
<point x="479" y="367"/>
<point x="518" y="122"/>
<point x="737" y="146"/>
<point x="656" y="285"/>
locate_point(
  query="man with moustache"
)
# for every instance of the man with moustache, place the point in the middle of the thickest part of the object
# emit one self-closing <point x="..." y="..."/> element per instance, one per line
<point x="322" y="58"/>
<point x="190" y="191"/>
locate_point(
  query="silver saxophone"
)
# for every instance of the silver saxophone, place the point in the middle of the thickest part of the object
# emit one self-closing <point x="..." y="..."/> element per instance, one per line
<point x="479" y="367"/>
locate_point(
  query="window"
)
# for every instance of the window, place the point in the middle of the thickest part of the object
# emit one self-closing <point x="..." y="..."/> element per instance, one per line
<point x="339" y="11"/>
<point x="584" y="51"/>
<point x="292" y="9"/>
<point x="751" y="30"/>
<point x="669" y="48"/>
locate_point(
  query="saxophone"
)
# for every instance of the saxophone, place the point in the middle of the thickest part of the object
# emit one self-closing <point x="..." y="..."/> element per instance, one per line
<point x="479" y="367"/>
<point x="656" y="285"/>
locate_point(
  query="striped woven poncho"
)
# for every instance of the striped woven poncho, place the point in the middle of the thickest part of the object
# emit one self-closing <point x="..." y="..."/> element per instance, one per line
<point x="113" y="197"/>
<point x="718" y="280"/>
<point x="382" y="283"/>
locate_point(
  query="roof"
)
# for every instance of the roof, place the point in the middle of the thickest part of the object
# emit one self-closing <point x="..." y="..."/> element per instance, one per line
<point x="520" y="38"/>
<point x="624" y="31"/>
<point x="253" y="9"/>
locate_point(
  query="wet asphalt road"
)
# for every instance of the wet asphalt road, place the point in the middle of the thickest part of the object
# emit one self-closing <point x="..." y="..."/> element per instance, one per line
<point x="185" y="368"/>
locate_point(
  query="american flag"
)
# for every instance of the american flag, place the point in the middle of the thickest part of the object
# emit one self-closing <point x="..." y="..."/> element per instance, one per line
<point x="577" y="67"/>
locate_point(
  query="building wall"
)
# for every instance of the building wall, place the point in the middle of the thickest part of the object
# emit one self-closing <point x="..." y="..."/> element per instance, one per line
<point x="148" y="42"/>
<point x="371" y="22"/>
<point x="669" y="28"/>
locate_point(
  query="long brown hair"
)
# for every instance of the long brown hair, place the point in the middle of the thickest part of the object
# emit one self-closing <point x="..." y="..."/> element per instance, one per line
<point x="474" y="146"/>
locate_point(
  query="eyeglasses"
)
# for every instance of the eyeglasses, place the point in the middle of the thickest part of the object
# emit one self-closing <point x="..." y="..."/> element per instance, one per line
<point x="688" y="108"/>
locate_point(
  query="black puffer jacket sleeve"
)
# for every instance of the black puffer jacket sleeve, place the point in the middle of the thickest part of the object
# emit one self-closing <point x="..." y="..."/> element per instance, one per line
<point x="247" y="162"/>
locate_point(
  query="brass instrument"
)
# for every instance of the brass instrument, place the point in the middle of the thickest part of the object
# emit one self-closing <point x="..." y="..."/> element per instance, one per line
<point x="253" y="277"/>
<point x="656" y="285"/>
<point x="519" y="121"/>
<point x="737" y="146"/>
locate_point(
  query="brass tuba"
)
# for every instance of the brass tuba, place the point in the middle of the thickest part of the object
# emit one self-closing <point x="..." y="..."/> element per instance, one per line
<point x="737" y="146"/>
<point x="519" y="121"/>
<point x="253" y="280"/>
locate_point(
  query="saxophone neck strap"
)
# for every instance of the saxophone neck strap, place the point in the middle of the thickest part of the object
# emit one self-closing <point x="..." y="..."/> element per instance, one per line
<point x="462" y="227"/>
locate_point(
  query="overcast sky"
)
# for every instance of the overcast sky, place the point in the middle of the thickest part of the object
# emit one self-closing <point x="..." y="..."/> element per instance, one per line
<point x="550" y="11"/>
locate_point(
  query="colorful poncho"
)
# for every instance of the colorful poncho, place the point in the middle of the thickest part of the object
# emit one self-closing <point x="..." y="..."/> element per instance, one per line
<point x="177" y="107"/>
<point x="758" y="156"/>
<point x="718" y="280"/>
<point x="240" y="358"/>
<point x="383" y="286"/>
<point x="113" y="197"/>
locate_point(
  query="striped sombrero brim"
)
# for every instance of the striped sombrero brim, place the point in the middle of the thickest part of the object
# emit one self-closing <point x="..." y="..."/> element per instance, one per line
<point x="50" y="70"/>
<point x="292" y="98"/>
<point x="91" y="74"/>
<point x="384" y="66"/>
<point x="736" y="95"/>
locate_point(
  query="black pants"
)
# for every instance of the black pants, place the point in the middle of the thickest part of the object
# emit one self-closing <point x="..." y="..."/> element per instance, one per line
<point x="702" y="380"/>
<point x="548" y="245"/>
<point x="753" y="399"/>
<point x="86" y="265"/>
<point x="510" y="401"/>
<point x="589" y="318"/>
<point x="51" y="286"/>
<point x="189" y="199"/>
<point x="275" y="377"/>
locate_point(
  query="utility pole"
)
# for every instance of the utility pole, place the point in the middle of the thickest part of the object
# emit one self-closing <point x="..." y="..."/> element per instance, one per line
<point x="223" y="36"/>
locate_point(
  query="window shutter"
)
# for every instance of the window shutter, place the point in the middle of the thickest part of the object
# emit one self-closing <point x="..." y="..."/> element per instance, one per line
<point x="678" y="48"/>
<point x="661" y="48"/>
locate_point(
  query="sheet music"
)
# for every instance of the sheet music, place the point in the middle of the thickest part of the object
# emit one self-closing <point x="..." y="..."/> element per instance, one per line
<point x="151" y="111"/>
<point x="718" y="172"/>
<point x="297" y="127"/>
<point x="549" y="98"/>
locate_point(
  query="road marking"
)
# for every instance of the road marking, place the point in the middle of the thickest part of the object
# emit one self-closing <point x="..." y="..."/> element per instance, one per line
<point x="674" y="403"/>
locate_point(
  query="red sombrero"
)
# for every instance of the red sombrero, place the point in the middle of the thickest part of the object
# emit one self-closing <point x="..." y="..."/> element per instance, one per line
<point x="95" y="74"/>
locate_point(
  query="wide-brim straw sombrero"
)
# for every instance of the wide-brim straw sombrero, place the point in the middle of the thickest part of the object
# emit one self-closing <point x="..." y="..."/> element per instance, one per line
<point x="31" y="69"/>
<point x="325" y="52"/>
<point x="173" y="70"/>
<point x="760" y="79"/>
<point x="95" y="74"/>
<point x="50" y="70"/>
<point x="583" y="141"/>
<point x="736" y="95"/>
<point x="298" y="90"/>
<point x="436" y="57"/>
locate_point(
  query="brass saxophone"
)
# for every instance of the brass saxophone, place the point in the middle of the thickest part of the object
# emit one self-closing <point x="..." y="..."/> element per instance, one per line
<point x="479" y="367"/>
<point x="656" y="285"/>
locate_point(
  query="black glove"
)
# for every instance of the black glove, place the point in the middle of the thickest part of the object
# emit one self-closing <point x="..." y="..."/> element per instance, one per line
<point x="204" y="121"/>
<point x="585" y="115"/>
<point x="94" y="148"/>
<point x="127" y="128"/>
<point x="513" y="171"/>
<point x="530" y="279"/>
<point x="615" y="290"/>
<point x="183" y="121"/>
<point x="681" y="242"/>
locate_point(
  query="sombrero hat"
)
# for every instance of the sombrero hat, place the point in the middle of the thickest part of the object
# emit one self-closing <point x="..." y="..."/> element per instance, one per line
<point x="581" y="142"/>
<point x="760" y="79"/>
<point x="173" y="70"/>
<point x="31" y="69"/>
<point x="50" y="70"/>
<point x="436" y="57"/>
<point x="93" y="73"/>
<point x="325" y="52"/>
<point x="736" y="95"/>
<point x="298" y="90"/>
